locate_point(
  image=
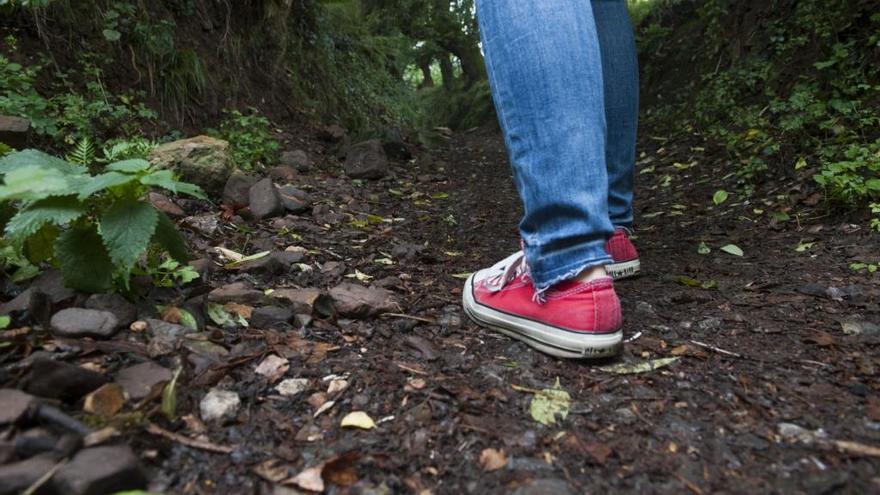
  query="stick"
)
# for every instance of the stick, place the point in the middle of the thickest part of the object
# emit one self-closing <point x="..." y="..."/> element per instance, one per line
<point x="43" y="479"/>
<point x="189" y="442"/>
<point x="689" y="484"/>
<point x="410" y="317"/>
<point x="717" y="349"/>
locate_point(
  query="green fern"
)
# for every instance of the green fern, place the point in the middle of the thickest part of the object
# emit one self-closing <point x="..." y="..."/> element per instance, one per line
<point x="83" y="153"/>
<point x="99" y="225"/>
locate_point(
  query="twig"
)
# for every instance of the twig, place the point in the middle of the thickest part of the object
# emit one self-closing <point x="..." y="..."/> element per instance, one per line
<point x="717" y="349"/>
<point x="688" y="483"/>
<point x="189" y="442"/>
<point x="410" y="317"/>
<point x="45" y="478"/>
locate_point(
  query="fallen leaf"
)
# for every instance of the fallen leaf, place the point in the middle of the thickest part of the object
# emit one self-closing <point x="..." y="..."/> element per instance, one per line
<point x="493" y="460"/>
<point x="219" y="315"/>
<point x="340" y="470"/>
<point x="246" y="259"/>
<point x="549" y="404"/>
<point x="337" y="386"/>
<point x="228" y="254"/>
<point x="324" y="407"/>
<point x="242" y="310"/>
<point x="358" y="419"/>
<point x="363" y="277"/>
<point x="461" y="276"/>
<point x="704" y="248"/>
<point x="599" y="451"/>
<point x="169" y="397"/>
<point x="732" y="249"/>
<point x="720" y="197"/>
<point x="106" y="401"/>
<point x="273" y="367"/>
<point x="638" y="366"/>
<point x="5" y="321"/>
<point x="309" y="479"/>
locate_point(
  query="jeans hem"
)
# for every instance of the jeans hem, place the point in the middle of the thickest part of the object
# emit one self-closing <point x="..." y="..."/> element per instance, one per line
<point x="567" y="273"/>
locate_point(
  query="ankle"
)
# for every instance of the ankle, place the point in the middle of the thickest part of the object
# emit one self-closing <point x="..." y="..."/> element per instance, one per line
<point x="591" y="273"/>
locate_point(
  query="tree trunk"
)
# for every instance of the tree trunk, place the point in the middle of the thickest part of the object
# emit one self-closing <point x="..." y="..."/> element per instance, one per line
<point x="427" y="79"/>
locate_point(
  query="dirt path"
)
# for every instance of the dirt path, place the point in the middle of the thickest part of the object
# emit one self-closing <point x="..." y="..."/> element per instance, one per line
<point x="763" y="359"/>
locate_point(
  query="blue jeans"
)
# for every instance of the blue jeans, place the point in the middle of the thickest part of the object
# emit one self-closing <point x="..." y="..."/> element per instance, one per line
<point x="564" y="80"/>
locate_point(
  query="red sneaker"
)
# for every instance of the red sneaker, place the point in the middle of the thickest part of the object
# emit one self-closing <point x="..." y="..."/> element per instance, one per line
<point x="626" y="258"/>
<point x="575" y="319"/>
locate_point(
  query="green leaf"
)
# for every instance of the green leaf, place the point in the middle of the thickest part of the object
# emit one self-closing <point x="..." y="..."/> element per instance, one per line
<point x="168" y="237"/>
<point x="127" y="228"/>
<point x="801" y="163"/>
<point x="550" y="405"/>
<point x="873" y="184"/>
<point x="112" y="35"/>
<point x="804" y="246"/>
<point x="261" y="254"/>
<point x="169" y="397"/>
<point x="732" y="249"/>
<point x="57" y="210"/>
<point x="132" y="166"/>
<point x="190" y="190"/>
<point x="104" y="181"/>
<point x="85" y="264"/>
<point x="160" y="178"/>
<point x="36" y="158"/>
<point x="219" y="315"/>
<point x="5" y="321"/>
<point x="704" y="248"/>
<point x="32" y="182"/>
<point x="720" y="197"/>
<point x="638" y="367"/>
<point x="40" y="246"/>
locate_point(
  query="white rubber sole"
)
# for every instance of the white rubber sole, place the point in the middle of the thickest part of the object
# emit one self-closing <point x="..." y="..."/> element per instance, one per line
<point x="545" y="338"/>
<point x="623" y="270"/>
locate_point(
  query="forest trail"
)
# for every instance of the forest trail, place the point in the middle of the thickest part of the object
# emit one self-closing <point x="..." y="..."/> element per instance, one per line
<point x="768" y="385"/>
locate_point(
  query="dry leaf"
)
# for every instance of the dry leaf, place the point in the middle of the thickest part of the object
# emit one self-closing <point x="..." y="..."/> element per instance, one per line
<point x="337" y="386"/>
<point x="309" y="479"/>
<point x="492" y="460"/>
<point x="273" y="367"/>
<point x="358" y="419"/>
<point x="242" y="310"/>
<point x="105" y="401"/>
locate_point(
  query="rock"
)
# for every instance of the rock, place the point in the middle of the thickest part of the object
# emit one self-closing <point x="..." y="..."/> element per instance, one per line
<point x="201" y="160"/>
<point x="282" y="173"/>
<point x="164" y="337"/>
<point x="219" y="405"/>
<point x="332" y="133"/>
<point x="238" y="292"/>
<point x="57" y="380"/>
<point x="294" y="200"/>
<point x="82" y="322"/>
<point x="14" y="131"/>
<point x="123" y="310"/>
<point x="356" y="301"/>
<point x="298" y="159"/>
<point x="397" y="150"/>
<point x="366" y="160"/>
<point x="292" y="386"/>
<point x="138" y="380"/>
<point x="14" y="404"/>
<point x="236" y="190"/>
<point x="204" y="266"/>
<point x="198" y="343"/>
<point x="165" y="205"/>
<point x="100" y="470"/>
<point x="16" y="477"/>
<point x="306" y="301"/>
<point x="270" y="317"/>
<point x="106" y="401"/>
<point x="265" y="201"/>
<point x="50" y="284"/>
<point x="274" y="263"/>
<point x="207" y="225"/>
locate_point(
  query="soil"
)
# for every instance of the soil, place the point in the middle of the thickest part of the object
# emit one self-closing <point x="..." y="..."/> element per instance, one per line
<point x="783" y="335"/>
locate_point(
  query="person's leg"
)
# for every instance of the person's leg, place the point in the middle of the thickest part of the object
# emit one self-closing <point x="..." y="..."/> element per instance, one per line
<point x="621" y="80"/>
<point x="545" y="70"/>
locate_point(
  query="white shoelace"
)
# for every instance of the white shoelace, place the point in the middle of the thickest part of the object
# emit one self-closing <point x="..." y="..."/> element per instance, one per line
<point x="505" y="271"/>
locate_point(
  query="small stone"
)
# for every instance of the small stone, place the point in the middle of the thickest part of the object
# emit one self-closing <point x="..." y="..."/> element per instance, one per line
<point x="219" y="405"/>
<point x="269" y="317"/>
<point x="297" y="159"/>
<point x="14" y="404"/>
<point x="124" y="311"/>
<point x="106" y="401"/>
<point x="16" y="477"/>
<point x="237" y="292"/>
<point x="265" y="201"/>
<point x="305" y="301"/>
<point x="207" y="225"/>
<point x="138" y="326"/>
<point x="81" y="322"/>
<point x="337" y="386"/>
<point x="625" y="415"/>
<point x="198" y="344"/>
<point x="397" y="150"/>
<point x="139" y="380"/>
<point x="272" y="367"/>
<point x="48" y="287"/>
<point x="295" y="200"/>
<point x="165" y="205"/>
<point x="99" y="470"/>
<point x="332" y="133"/>
<point x="366" y="160"/>
<point x="58" y="380"/>
<point x="204" y="266"/>
<point x="356" y="301"/>
<point x="544" y="486"/>
<point x="14" y="131"/>
<point x="292" y="386"/>
<point x="236" y="191"/>
<point x="165" y="337"/>
<point x="317" y="399"/>
<point x="282" y="173"/>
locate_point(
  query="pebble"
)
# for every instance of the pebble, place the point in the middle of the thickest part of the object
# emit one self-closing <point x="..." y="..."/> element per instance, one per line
<point x="219" y="405"/>
<point x="265" y="201"/>
<point x="13" y="404"/>
<point x="292" y="386"/>
<point x="270" y="317"/>
<point x="82" y="322"/>
<point x="139" y="380"/>
<point x="124" y="311"/>
<point x="58" y="380"/>
<point x="97" y="470"/>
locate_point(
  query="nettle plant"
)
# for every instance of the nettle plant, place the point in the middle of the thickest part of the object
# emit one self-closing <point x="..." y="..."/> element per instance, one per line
<point x="95" y="228"/>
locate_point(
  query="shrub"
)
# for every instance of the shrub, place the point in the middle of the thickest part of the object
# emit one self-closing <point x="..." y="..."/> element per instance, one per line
<point x="94" y="227"/>
<point x="250" y="137"/>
